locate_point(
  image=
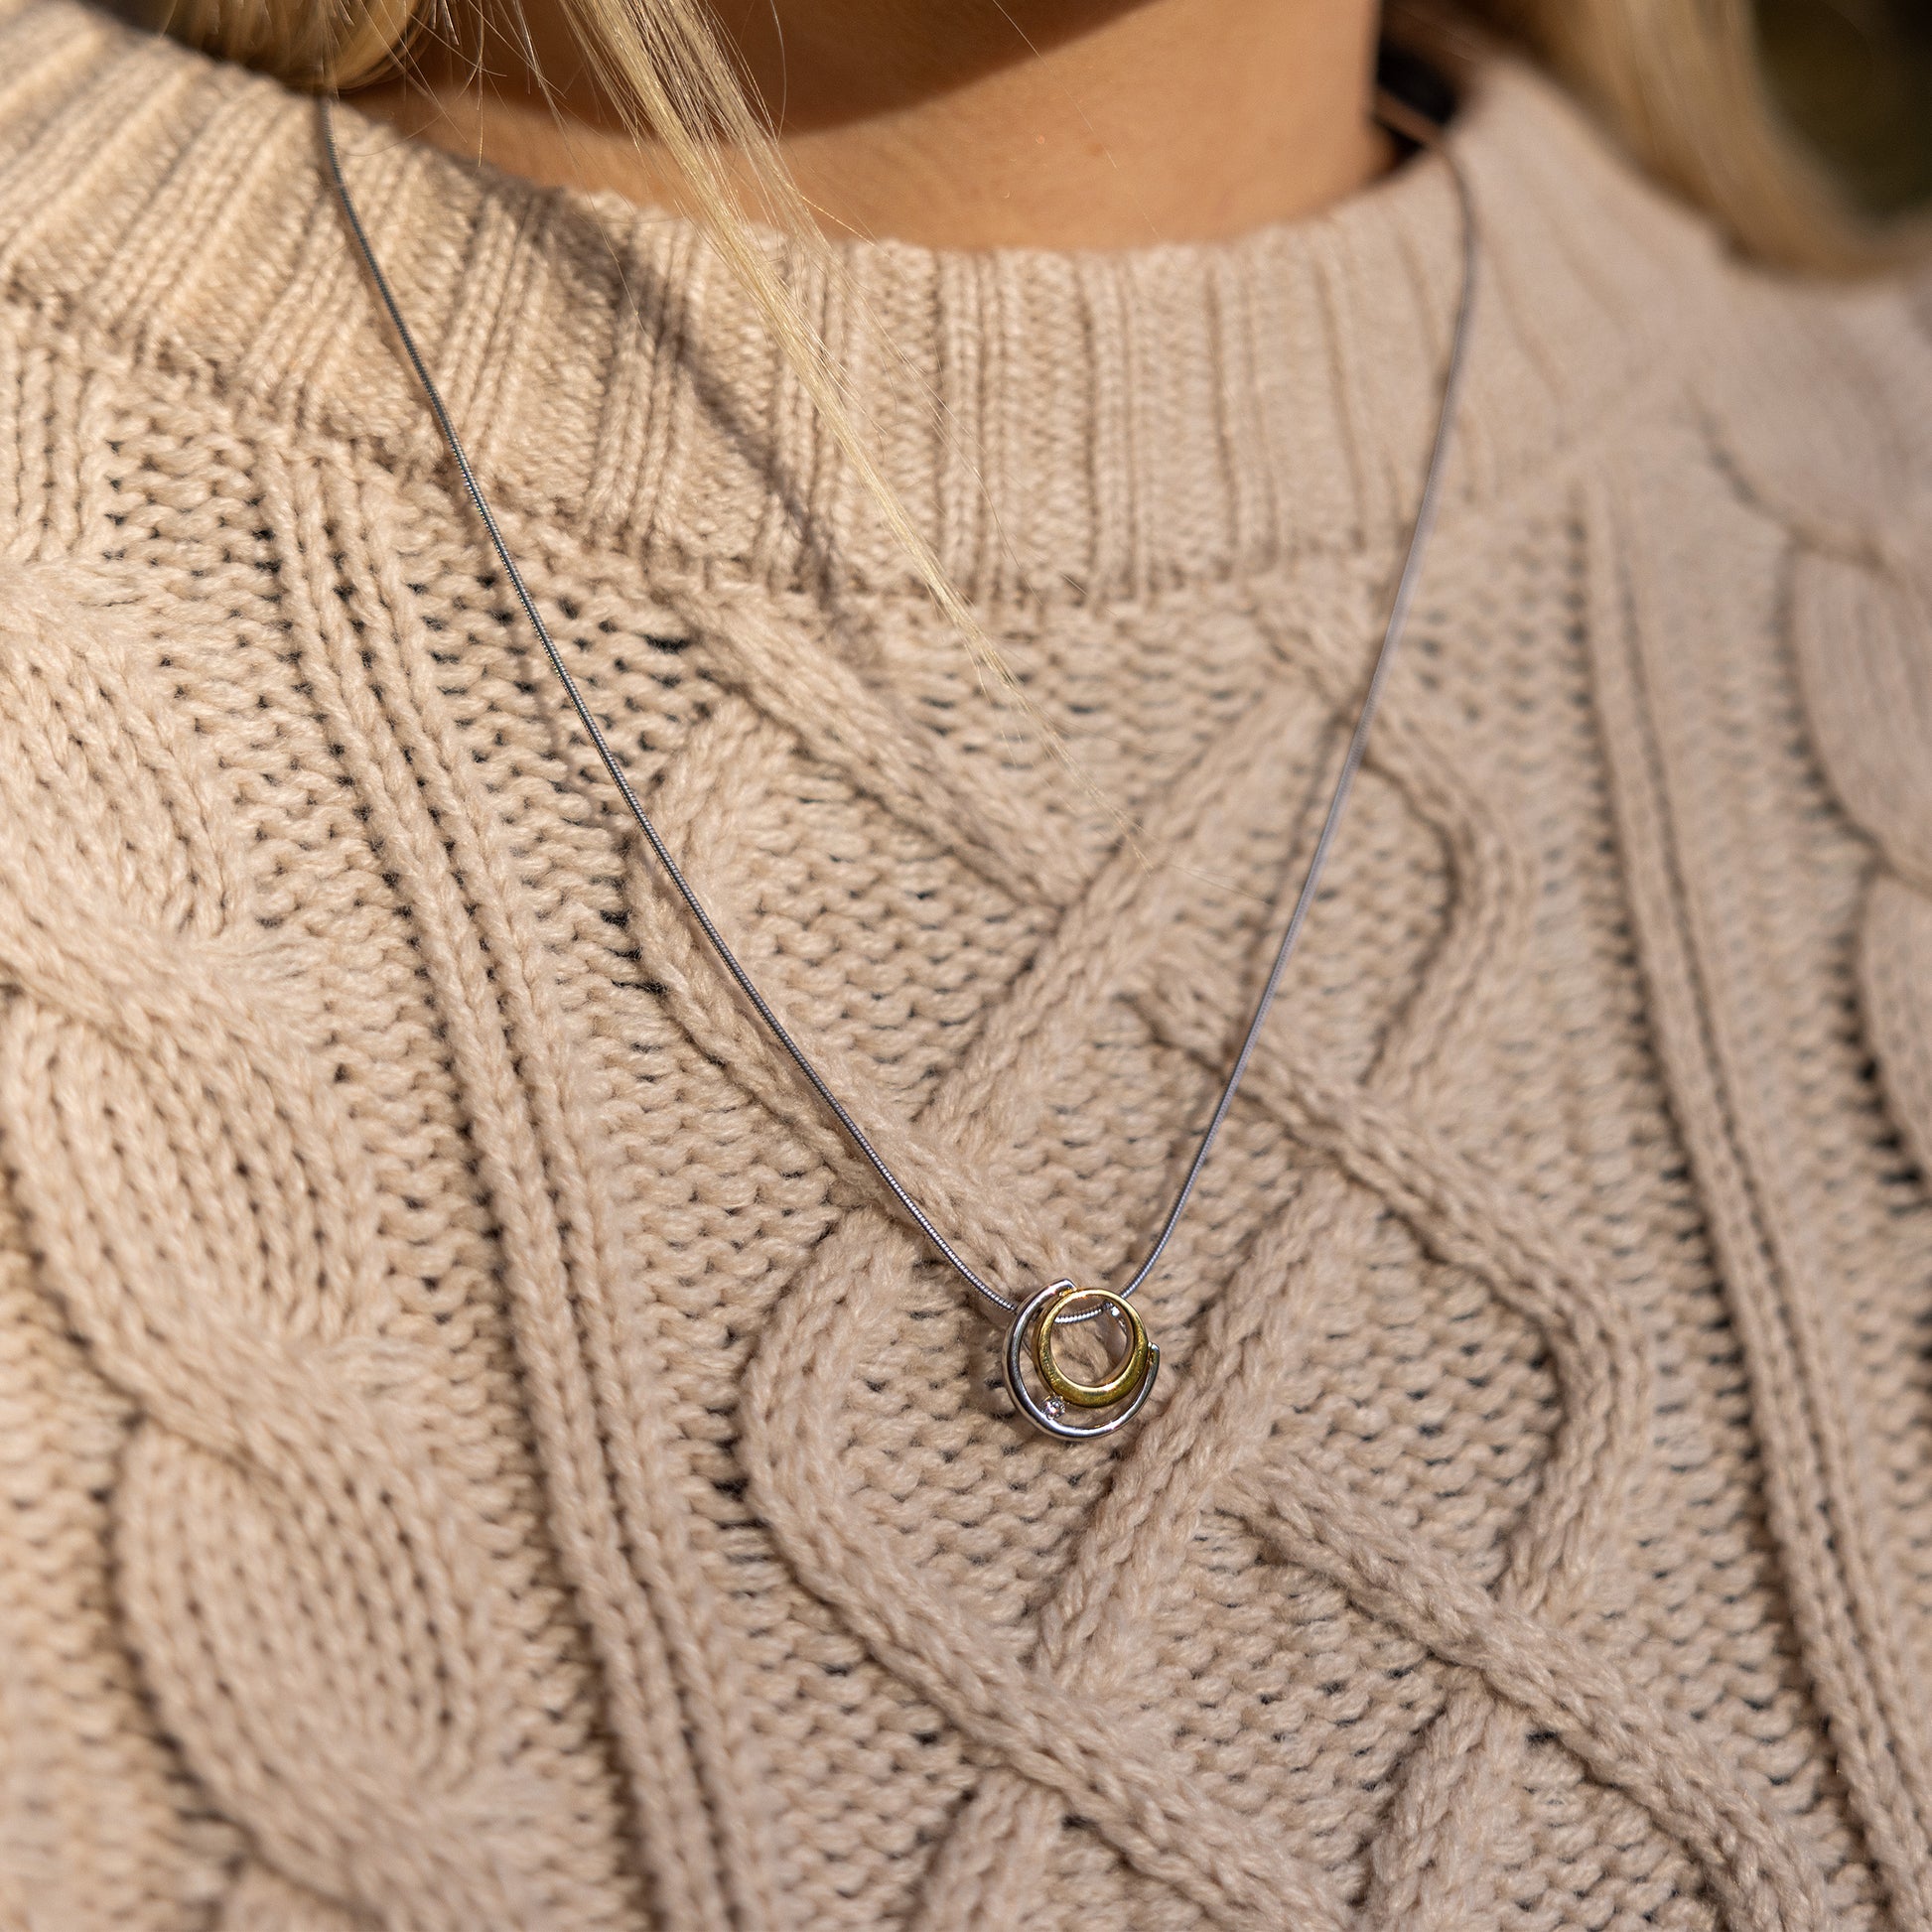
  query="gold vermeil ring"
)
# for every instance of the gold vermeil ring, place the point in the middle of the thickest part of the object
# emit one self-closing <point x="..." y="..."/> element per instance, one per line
<point x="1127" y="1374"/>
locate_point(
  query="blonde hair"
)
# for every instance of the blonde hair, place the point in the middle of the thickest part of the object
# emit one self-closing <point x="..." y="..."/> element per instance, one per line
<point x="1679" y="82"/>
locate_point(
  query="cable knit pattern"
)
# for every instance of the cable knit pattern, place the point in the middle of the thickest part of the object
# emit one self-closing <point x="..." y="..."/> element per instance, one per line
<point x="480" y="1452"/>
<point x="316" y="1600"/>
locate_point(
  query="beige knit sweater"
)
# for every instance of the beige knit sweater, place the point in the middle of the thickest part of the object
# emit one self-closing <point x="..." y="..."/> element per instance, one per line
<point x="476" y="1456"/>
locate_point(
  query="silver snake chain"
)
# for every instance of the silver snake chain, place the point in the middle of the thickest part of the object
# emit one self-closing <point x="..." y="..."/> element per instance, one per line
<point x="1031" y="1324"/>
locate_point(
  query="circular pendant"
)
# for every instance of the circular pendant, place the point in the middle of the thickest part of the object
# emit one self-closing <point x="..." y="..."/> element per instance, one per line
<point x="1126" y="1385"/>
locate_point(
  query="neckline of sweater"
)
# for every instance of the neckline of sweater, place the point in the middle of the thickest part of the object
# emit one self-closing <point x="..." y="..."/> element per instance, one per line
<point x="1096" y="425"/>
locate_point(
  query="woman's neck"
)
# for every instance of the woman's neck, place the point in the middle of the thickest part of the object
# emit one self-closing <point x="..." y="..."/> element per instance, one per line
<point x="974" y="124"/>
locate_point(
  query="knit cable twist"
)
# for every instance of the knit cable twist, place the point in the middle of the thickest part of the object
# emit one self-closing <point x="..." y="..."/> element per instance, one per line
<point x="1854" y="493"/>
<point x="1861" y="617"/>
<point x="1054" y="1719"/>
<point x="676" y="1707"/>
<point x="308" y="1585"/>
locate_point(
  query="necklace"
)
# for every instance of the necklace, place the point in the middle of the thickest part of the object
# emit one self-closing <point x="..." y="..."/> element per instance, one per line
<point x="1053" y="1400"/>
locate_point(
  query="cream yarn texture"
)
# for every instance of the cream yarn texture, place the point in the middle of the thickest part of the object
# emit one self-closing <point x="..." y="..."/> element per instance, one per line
<point x="476" y="1454"/>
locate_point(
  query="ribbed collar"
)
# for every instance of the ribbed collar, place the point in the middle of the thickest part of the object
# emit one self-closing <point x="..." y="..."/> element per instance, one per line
<point x="1117" y="421"/>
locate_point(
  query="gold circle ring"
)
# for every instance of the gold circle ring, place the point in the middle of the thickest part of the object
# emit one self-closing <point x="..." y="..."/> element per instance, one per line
<point x="1127" y="1374"/>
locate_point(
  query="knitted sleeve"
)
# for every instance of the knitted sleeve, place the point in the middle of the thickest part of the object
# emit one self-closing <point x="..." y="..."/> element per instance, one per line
<point x="1862" y="613"/>
<point x="1885" y="750"/>
<point x="1824" y="416"/>
<point x="107" y="859"/>
<point x="258" y="1654"/>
